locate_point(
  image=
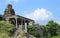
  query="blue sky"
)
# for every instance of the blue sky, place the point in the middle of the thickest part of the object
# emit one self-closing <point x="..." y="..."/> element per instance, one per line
<point x="39" y="10"/>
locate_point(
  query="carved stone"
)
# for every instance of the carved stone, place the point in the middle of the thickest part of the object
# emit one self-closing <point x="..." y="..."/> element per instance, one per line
<point x="9" y="11"/>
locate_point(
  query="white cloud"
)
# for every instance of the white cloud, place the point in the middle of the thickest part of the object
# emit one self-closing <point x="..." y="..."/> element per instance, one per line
<point x="12" y="1"/>
<point x="39" y="15"/>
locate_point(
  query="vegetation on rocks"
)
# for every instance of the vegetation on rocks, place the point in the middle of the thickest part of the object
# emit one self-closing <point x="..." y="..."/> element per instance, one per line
<point x="50" y="30"/>
<point x="5" y="28"/>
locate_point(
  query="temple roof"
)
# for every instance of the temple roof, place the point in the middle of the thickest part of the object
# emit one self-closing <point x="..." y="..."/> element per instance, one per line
<point x="24" y="17"/>
<point x="17" y="16"/>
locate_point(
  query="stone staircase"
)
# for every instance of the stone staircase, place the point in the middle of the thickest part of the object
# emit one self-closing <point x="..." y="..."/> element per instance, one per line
<point x="19" y="33"/>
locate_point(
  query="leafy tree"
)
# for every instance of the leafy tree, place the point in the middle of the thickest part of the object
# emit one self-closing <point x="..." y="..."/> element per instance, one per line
<point x="33" y="31"/>
<point x="44" y="31"/>
<point x="58" y="30"/>
<point x="5" y="27"/>
<point x="51" y="28"/>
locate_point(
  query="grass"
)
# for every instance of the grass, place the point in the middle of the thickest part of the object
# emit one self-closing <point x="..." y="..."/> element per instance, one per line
<point x="56" y="37"/>
<point x="4" y="35"/>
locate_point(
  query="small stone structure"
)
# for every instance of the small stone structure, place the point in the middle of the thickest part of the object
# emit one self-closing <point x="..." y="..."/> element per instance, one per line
<point x="20" y="23"/>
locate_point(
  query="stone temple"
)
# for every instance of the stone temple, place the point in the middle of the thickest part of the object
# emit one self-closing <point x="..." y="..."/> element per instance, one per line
<point x="20" y="23"/>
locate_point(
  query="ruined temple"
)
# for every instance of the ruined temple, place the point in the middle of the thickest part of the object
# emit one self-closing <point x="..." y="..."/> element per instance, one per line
<point x="9" y="11"/>
<point x="20" y="23"/>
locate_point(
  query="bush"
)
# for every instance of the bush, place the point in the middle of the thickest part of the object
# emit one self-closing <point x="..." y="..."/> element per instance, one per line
<point x="56" y="37"/>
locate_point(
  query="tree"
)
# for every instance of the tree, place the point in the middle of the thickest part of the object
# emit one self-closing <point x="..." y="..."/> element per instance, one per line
<point x="51" y="28"/>
<point x="33" y="31"/>
<point x="58" y="30"/>
<point x="5" y="27"/>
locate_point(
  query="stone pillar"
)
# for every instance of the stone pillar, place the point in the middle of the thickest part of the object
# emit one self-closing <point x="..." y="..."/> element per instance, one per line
<point x="25" y="27"/>
<point x="20" y="27"/>
<point x="16" y="22"/>
<point x="7" y="19"/>
<point x="21" y="24"/>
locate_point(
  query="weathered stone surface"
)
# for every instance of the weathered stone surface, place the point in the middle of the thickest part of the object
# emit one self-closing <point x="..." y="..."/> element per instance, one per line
<point x="31" y="36"/>
<point x="9" y="11"/>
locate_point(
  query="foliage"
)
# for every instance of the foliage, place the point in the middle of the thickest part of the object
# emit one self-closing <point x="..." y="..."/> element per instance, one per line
<point x="56" y="36"/>
<point x="33" y="31"/>
<point x="4" y="35"/>
<point x="51" y="30"/>
<point x="5" y="27"/>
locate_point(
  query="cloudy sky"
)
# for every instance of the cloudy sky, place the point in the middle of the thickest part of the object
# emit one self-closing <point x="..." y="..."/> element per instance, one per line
<point x="39" y="10"/>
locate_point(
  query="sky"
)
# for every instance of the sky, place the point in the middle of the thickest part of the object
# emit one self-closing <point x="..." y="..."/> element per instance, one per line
<point x="41" y="11"/>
